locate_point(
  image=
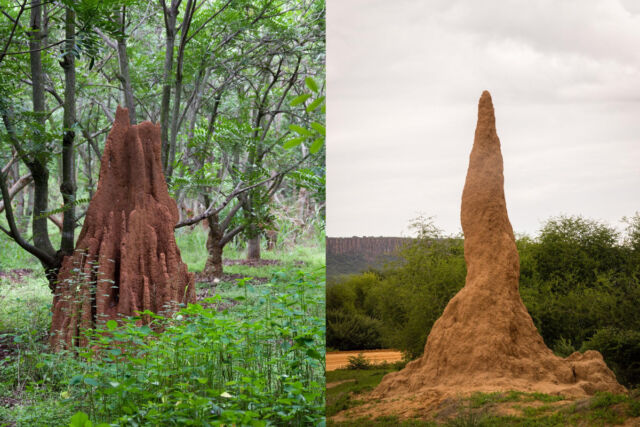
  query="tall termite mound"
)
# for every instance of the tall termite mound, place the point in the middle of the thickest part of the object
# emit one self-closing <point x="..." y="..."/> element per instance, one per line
<point x="486" y="339"/>
<point x="126" y="257"/>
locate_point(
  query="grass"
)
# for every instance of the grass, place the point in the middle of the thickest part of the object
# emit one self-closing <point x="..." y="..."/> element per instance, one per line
<point x="251" y="355"/>
<point x="193" y="250"/>
<point x="485" y="409"/>
<point x="344" y="396"/>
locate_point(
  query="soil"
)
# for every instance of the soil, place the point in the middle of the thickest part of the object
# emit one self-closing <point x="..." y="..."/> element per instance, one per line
<point x="256" y="262"/>
<point x="486" y="340"/>
<point x="340" y="359"/>
<point x="126" y="259"/>
<point x="251" y="262"/>
<point x="16" y="275"/>
<point x="229" y="278"/>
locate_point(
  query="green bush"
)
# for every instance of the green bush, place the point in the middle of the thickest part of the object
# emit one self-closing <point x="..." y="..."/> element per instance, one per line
<point x="348" y="331"/>
<point x="359" y="362"/>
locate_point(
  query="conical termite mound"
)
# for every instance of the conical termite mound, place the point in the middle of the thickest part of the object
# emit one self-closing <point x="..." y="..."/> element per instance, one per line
<point x="126" y="258"/>
<point x="486" y="340"/>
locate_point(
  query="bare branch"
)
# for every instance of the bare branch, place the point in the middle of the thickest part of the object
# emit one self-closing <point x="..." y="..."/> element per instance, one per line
<point x="16" y="187"/>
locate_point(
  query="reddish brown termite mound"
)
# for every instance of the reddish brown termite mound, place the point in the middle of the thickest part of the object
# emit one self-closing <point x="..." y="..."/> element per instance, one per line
<point x="126" y="257"/>
<point x="486" y="340"/>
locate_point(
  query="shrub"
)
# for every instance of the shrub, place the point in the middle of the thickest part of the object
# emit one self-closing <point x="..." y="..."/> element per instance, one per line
<point x="353" y="331"/>
<point x="359" y="362"/>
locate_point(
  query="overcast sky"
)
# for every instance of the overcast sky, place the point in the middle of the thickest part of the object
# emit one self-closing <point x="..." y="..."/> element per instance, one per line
<point x="404" y="79"/>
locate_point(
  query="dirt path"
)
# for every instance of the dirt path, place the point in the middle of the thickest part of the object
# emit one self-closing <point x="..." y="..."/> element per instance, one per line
<point x="340" y="359"/>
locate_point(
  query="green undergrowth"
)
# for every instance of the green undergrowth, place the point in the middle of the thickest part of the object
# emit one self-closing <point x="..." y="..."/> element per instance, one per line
<point x="510" y="408"/>
<point x="259" y="362"/>
<point x="251" y="354"/>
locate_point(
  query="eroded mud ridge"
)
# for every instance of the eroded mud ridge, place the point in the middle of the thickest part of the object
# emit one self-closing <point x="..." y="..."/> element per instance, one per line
<point x="486" y="340"/>
<point x="126" y="257"/>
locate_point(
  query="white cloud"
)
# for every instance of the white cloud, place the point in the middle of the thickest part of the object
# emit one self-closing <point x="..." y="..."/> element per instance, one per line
<point x="403" y="83"/>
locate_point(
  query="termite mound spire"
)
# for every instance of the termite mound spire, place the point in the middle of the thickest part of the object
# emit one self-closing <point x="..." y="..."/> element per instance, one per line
<point x="485" y="339"/>
<point x="126" y="258"/>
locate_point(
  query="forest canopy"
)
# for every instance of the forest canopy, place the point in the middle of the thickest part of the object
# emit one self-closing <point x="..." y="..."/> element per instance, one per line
<point x="237" y="87"/>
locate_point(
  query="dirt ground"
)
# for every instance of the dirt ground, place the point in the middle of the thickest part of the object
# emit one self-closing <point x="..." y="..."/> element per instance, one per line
<point x="444" y="406"/>
<point x="17" y="274"/>
<point x="340" y="359"/>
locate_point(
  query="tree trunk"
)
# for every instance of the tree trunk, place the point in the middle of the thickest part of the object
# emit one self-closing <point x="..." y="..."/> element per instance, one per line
<point x="68" y="184"/>
<point x="19" y="198"/>
<point x="123" y="60"/>
<point x="170" y="30"/>
<point x="38" y="167"/>
<point x="253" y="247"/>
<point x="213" y="267"/>
<point x="28" y="208"/>
<point x="173" y="140"/>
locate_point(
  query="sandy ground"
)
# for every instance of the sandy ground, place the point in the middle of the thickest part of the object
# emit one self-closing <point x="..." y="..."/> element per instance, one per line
<point x="340" y="359"/>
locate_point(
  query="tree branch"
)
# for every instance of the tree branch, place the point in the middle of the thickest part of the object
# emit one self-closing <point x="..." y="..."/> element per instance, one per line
<point x="13" y="232"/>
<point x="13" y="30"/>
<point x="16" y="188"/>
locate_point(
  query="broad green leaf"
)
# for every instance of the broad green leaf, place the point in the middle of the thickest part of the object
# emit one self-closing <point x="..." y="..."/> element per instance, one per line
<point x="112" y="324"/>
<point x="91" y="381"/>
<point x="318" y="128"/>
<point x="293" y="142"/>
<point x="300" y="99"/>
<point x="311" y="84"/>
<point x="75" y="380"/>
<point x="313" y="353"/>
<point x="80" y="419"/>
<point x="315" y="104"/>
<point x="316" y="145"/>
<point x="300" y="130"/>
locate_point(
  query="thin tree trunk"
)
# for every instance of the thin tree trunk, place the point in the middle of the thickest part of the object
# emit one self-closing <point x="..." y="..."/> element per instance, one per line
<point x="123" y="60"/>
<point x="19" y="197"/>
<point x="214" y="248"/>
<point x="175" y="116"/>
<point x="170" y="14"/>
<point x="253" y="248"/>
<point x="68" y="185"/>
<point x="38" y="168"/>
<point x="29" y="204"/>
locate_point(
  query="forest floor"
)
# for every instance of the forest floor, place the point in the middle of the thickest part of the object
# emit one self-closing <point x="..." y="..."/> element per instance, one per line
<point x="348" y="404"/>
<point x="38" y="388"/>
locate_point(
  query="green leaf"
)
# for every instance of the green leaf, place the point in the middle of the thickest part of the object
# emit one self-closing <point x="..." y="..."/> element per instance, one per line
<point x="315" y="104"/>
<point x="300" y="130"/>
<point x="316" y="145"/>
<point x="311" y="84"/>
<point x="80" y="419"/>
<point x="293" y="142"/>
<point x="145" y="330"/>
<point x="300" y="99"/>
<point x="318" y="128"/>
<point x="91" y="382"/>
<point x="112" y="324"/>
<point x="313" y="353"/>
<point x="76" y="380"/>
